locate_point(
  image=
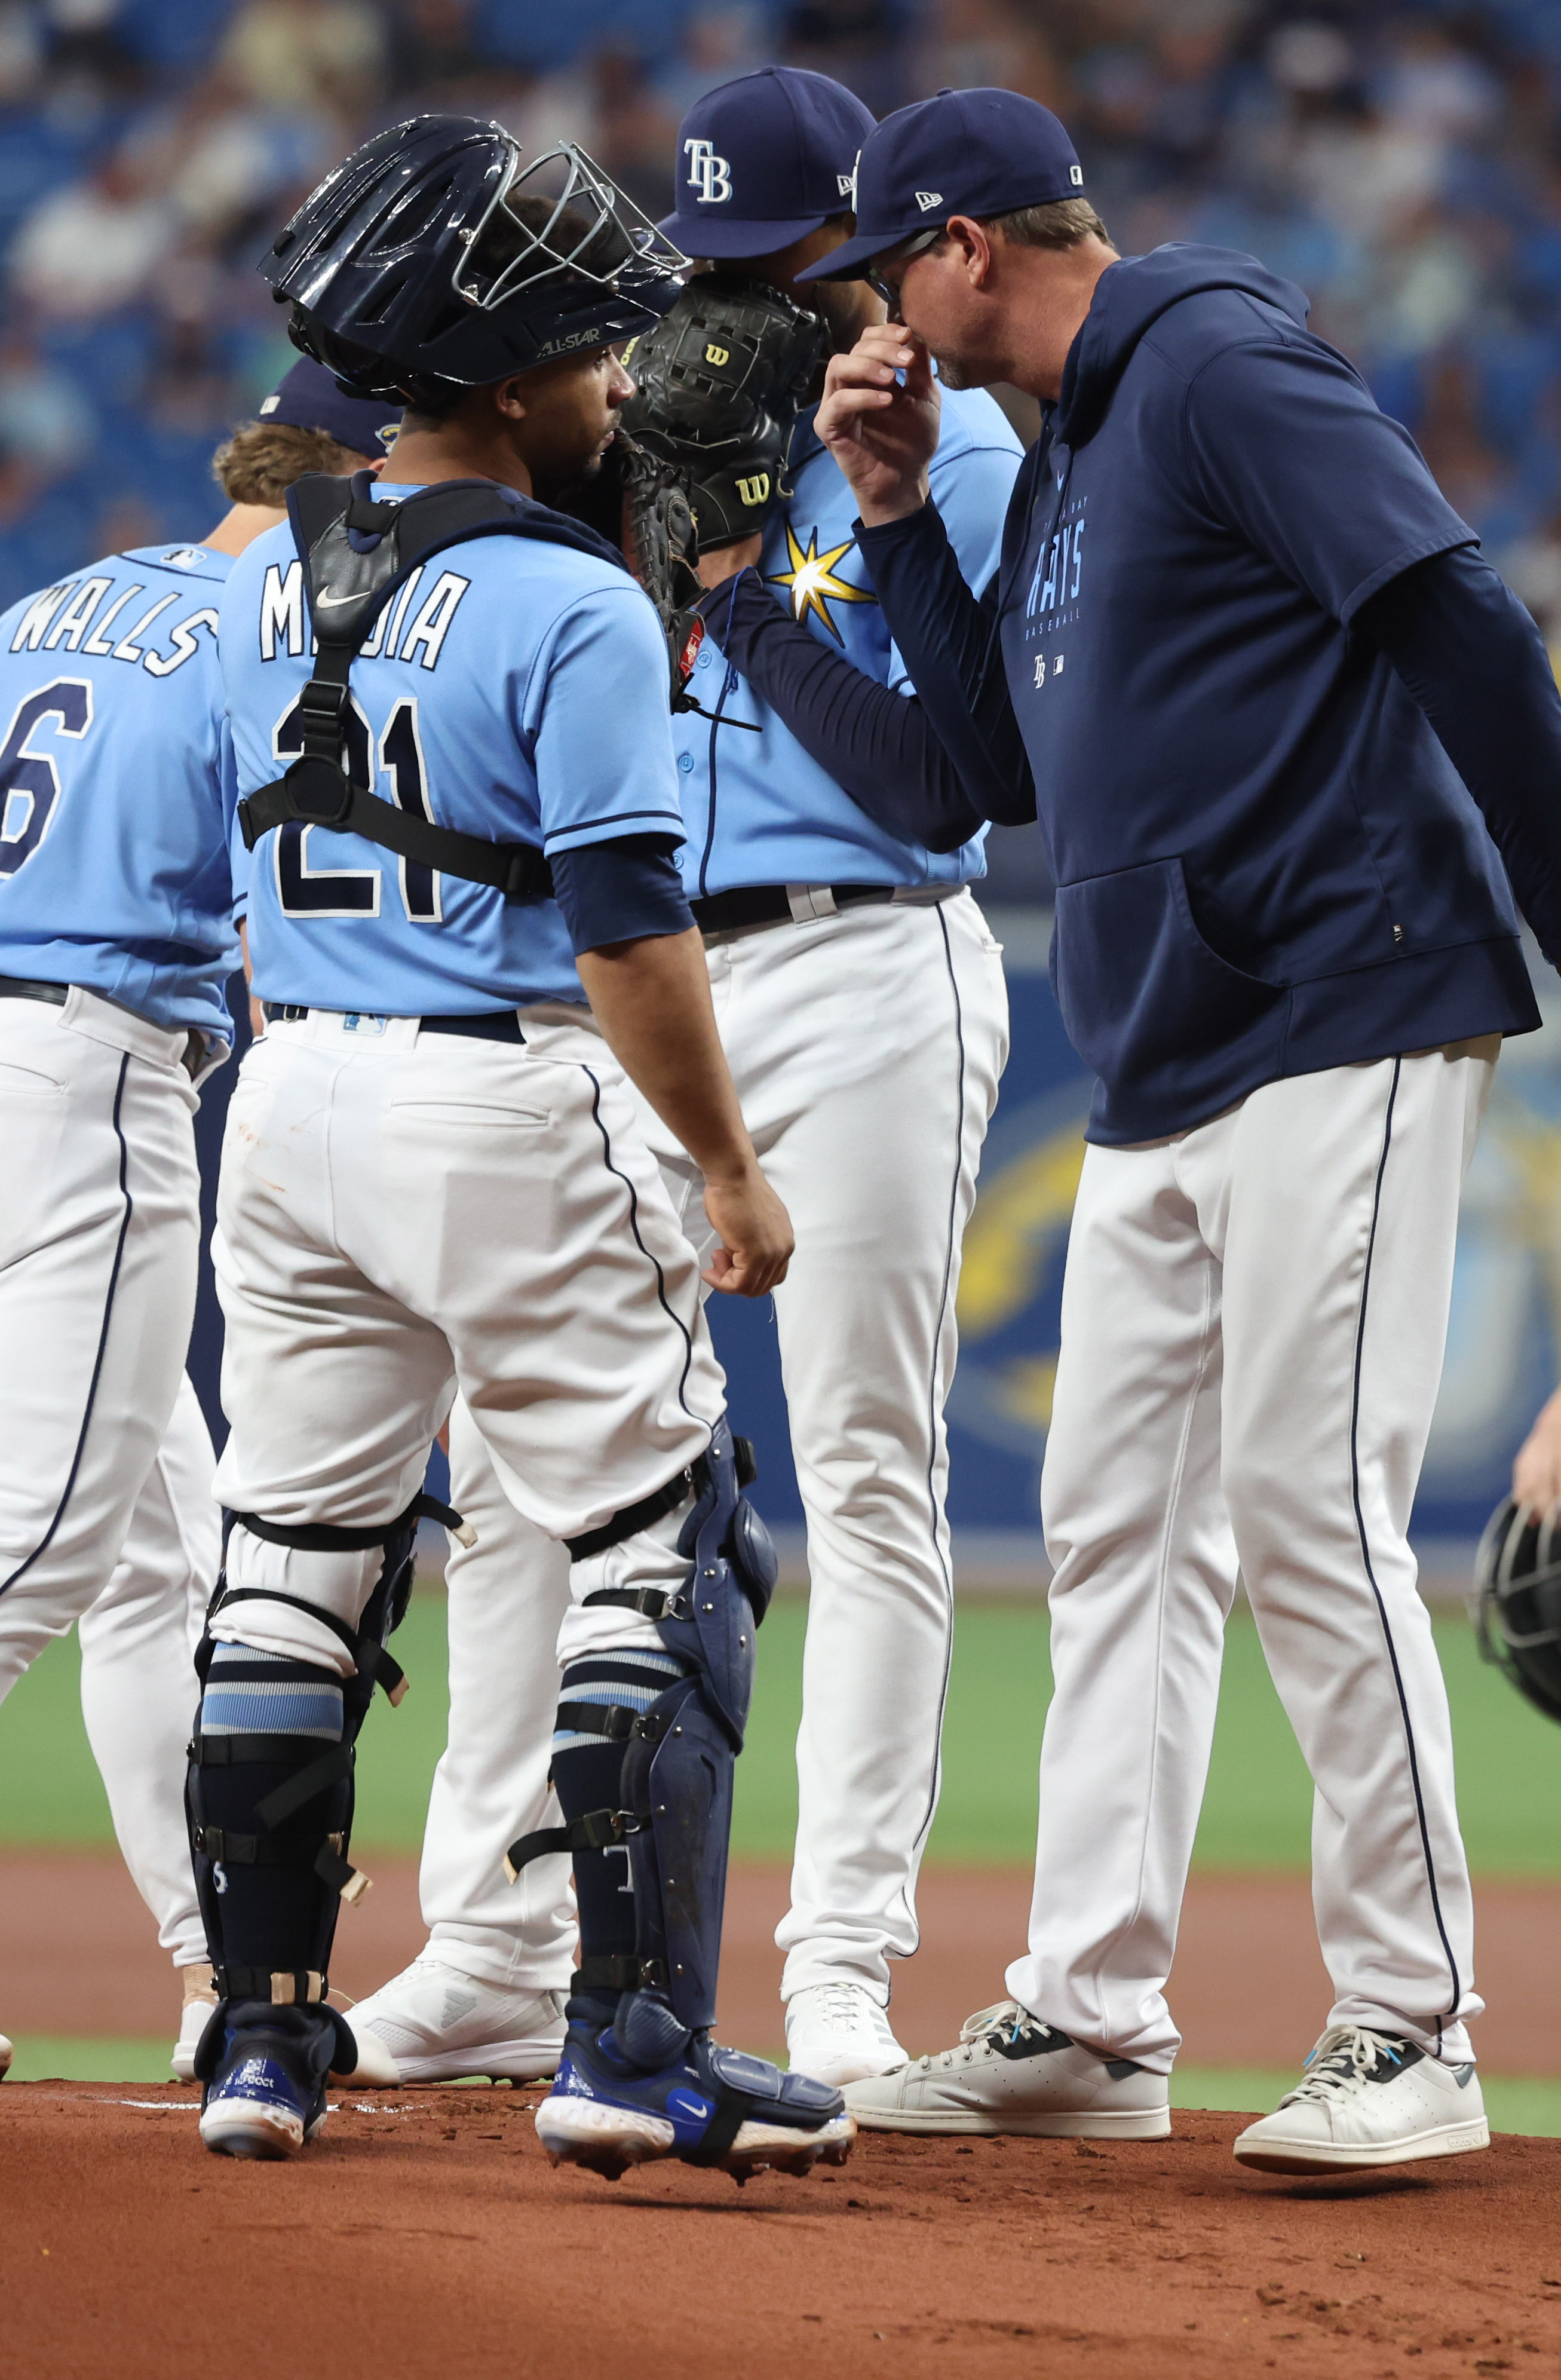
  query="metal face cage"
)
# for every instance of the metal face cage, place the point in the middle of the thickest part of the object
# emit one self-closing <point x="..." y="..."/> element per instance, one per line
<point x="570" y="184"/>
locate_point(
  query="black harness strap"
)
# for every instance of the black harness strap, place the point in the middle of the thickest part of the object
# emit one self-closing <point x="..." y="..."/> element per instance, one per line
<point x="597" y="1831"/>
<point x="632" y="1518"/>
<point x="356" y="553"/>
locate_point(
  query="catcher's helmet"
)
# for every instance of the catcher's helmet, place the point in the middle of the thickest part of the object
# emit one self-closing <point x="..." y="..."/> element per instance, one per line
<point x="1516" y="1605"/>
<point x="432" y="256"/>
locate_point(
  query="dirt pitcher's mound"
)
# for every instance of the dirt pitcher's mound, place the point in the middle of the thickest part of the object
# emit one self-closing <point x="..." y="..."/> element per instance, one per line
<point x="424" y="2236"/>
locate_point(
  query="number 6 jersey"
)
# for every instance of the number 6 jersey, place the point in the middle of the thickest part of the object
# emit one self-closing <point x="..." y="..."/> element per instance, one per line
<point x="116" y="787"/>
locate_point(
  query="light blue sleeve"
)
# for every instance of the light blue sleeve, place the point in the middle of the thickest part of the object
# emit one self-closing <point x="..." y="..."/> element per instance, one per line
<point x="970" y="487"/>
<point x="601" y="735"/>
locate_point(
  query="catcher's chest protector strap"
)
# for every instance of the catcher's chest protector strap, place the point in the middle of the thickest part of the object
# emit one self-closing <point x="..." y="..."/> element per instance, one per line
<point x="357" y="553"/>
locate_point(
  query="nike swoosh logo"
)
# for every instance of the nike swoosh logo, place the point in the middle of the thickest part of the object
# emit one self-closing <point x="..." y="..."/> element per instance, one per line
<point x="333" y="602"/>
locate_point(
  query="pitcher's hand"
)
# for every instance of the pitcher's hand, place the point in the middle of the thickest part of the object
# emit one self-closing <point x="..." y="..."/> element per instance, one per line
<point x="883" y="434"/>
<point x="756" y="1235"/>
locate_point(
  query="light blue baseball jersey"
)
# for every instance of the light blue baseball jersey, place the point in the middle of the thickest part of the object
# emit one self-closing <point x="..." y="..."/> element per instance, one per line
<point x="511" y="689"/>
<point x="116" y="787"/>
<point x="759" y="808"/>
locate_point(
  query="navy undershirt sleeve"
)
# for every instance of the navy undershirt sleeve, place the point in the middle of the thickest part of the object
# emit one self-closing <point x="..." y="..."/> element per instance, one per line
<point x="628" y="890"/>
<point x="875" y="744"/>
<point x="950" y="647"/>
<point x="1475" y="663"/>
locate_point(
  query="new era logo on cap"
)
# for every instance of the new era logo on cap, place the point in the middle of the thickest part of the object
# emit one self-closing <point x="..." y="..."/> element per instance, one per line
<point x="964" y="152"/>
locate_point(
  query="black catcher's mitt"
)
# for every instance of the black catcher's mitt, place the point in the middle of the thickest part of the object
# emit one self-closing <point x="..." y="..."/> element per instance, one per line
<point x="721" y="381"/>
<point x="641" y="505"/>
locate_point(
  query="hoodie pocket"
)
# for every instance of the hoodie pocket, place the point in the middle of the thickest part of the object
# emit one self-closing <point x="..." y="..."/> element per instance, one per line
<point x="1142" y="995"/>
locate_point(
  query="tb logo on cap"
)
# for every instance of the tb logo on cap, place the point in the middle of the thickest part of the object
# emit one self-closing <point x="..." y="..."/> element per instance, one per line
<point x="708" y="173"/>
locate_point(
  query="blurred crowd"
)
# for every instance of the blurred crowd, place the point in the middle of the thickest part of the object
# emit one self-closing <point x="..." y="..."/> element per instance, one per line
<point x="1402" y="162"/>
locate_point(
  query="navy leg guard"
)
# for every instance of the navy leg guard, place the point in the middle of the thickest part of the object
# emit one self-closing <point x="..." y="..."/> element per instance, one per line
<point x="269" y="1796"/>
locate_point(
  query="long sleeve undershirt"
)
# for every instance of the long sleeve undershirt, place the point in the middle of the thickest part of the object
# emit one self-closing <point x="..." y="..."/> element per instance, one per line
<point x="626" y="889"/>
<point x="950" y="643"/>
<point x="877" y="744"/>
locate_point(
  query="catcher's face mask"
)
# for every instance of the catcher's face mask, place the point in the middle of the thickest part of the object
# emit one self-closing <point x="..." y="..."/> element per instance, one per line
<point x="552" y="226"/>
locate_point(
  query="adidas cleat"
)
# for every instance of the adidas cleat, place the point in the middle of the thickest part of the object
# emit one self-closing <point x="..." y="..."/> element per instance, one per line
<point x="711" y="2106"/>
<point x="266" y="2096"/>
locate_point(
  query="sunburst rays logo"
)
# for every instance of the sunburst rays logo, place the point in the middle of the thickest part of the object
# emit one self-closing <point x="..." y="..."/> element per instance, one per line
<point x="812" y="584"/>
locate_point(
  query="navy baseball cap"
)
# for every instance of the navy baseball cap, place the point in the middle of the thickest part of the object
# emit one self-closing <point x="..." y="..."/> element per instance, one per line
<point x="764" y="160"/>
<point x="965" y="153"/>
<point x="309" y="398"/>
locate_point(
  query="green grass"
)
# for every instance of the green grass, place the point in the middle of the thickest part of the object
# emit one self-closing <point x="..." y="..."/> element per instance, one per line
<point x="1512" y="2106"/>
<point x="1257" y="1814"/>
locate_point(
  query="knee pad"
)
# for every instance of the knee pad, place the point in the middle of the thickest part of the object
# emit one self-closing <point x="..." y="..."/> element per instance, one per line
<point x="270" y="1807"/>
<point x="709" y="1622"/>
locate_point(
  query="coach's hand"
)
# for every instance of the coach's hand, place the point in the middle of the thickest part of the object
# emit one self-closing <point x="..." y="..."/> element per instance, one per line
<point x="882" y="432"/>
<point x="756" y="1235"/>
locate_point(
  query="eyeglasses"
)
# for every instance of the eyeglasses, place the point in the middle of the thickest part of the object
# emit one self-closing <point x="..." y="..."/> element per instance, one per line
<point x="901" y="255"/>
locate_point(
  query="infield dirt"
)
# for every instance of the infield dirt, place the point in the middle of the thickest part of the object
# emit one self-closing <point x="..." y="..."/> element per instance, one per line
<point x="424" y="2236"/>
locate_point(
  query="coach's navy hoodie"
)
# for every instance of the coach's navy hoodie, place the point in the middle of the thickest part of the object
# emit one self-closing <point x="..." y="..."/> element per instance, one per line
<point x="1265" y="863"/>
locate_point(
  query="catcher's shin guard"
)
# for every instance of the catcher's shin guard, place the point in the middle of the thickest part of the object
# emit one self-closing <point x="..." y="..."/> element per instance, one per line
<point x="269" y="1793"/>
<point x="673" y="1806"/>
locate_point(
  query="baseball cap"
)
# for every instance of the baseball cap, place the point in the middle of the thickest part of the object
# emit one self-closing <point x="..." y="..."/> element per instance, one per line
<point x="965" y="153"/>
<point x="763" y="160"/>
<point x="308" y="397"/>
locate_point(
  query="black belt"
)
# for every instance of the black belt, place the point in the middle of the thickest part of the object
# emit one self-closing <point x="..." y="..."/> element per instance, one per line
<point x="192" y="1057"/>
<point x="500" y="1025"/>
<point x="16" y="987"/>
<point x="770" y="904"/>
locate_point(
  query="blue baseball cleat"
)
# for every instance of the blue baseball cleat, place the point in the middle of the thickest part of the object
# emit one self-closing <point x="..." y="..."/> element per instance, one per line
<point x="708" y="2105"/>
<point x="265" y="2069"/>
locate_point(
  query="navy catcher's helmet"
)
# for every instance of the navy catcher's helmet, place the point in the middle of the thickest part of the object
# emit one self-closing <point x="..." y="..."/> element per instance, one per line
<point x="433" y="257"/>
<point x="1516" y="1606"/>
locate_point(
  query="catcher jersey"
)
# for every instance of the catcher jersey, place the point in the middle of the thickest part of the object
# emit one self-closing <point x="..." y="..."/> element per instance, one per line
<point x="511" y="689"/>
<point x="115" y="788"/>
<point x="759" y="809"/>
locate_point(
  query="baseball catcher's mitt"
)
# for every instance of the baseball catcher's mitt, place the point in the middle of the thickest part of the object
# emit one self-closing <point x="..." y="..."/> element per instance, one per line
<point x="641" y="505"/>
<point x="721" y="378"/>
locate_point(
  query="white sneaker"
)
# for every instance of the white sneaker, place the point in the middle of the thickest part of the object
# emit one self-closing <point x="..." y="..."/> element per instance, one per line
<point x="200" y="1998"/>
<point x="838" y="2033"/>
<point x="1367" y="2099"/>
<point x="438" y="2024"/>
<point x="1011" y="2073"/>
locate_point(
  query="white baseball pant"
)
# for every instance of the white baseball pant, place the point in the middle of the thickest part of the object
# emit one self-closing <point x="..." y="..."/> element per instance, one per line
<point x="867" y="1049"/>
<point x="106" y="1516"/>
<point x="402" y="1214"/>
<point x="1254" y="1319"/>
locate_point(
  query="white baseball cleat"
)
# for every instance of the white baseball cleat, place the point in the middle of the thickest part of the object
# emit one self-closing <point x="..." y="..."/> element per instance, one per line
<point x="200" y="1998"/>
<point x="1368" y="2099"/>
<point x="838" y="2033"/>
<point x="1011" y="2073"/>
<point x="7" y="2054"/>
<point x="432" y="2023"/>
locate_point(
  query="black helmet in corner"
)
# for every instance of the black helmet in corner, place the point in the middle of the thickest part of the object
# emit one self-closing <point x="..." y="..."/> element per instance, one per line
<point x="434" y="255"/>
<point x="1516" y="1602"/>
